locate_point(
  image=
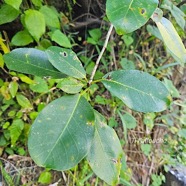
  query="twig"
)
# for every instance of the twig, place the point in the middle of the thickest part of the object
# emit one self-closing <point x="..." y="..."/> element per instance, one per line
<point x="101" y="54"/>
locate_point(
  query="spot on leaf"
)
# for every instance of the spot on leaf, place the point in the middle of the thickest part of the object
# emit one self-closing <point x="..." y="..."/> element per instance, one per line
<point x="64" y="54"/>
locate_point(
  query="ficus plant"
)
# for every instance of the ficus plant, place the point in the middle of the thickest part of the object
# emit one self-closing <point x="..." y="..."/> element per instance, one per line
<point x="69" y="129"/>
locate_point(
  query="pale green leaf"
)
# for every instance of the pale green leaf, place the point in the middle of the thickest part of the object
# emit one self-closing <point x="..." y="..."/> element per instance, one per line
<point x="70" y="85"/>
<point x="106" y="152"/>
<point x="13" y="87"/>
<point x="176" y="12"/>
<point x="61" y="39"/>
<point x="16" y="130"/>
<point x="61" y="135"/>
<point x="138" y="90"/>
<point x="129" y="121"/>
<point x="23" y="101"/>
<point x="171" y="38"/>
<point x="37" y="2"/>
<point x="39" y="85"/>
<point x="35" y="23"/>
<point x="66" y="61"/>
<point x="22" y="38"/>
<point x="128" y="16"/>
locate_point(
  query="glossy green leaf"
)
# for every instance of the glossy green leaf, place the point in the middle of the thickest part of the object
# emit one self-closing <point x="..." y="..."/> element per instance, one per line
<point x="51" y="18"/>
<point x="35" y="23"/>
<point x="106" y="152"/>
<point x="23" y="101"/>
<point x="66" y="61"/>
<point x="62" y="134"/>
<point x="31" y="61"/>
<point x="128" y="16"/>
<point x="138" y="90"/>
<point x="16" y="130"/>
<point x="22" y="38"/>
<point x="61" y="39"/>
<point x="39" y="85"/>
<point x="14" y="3"/>
<point x="13" y="87"/>
<point x="170" y="37"/>
<point x="70" y="85"/>
<point x="7" y="14"/>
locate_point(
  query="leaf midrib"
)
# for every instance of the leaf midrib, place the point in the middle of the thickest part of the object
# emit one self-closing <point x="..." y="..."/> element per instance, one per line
<point x="131" y="88"/>
<point x="63" y="128"/>
<point x="24" y="62"/>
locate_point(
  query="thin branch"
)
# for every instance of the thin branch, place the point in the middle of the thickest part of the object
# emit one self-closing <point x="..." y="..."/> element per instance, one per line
<point x="101" y="54"/>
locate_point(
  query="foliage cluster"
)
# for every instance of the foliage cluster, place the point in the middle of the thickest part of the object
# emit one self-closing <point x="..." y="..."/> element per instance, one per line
<point x="59" y="107"/>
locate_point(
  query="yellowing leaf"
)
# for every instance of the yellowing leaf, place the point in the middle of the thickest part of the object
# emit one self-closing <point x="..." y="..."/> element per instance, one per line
<point x="170" y="37"/>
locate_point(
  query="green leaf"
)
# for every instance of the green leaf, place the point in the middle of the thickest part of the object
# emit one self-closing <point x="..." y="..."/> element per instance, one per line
<point x="138" y="90"/>
<point x="172" y="89"/>
<point x="127" y="64"/>
<point x="128" y="40"/>
<point x="1" y="61"/>
<point x="22" y="38"/>
<point x="176" y="12"/>
<point x="146" y="148"/>
<point x="7" y="14"/>
<point x="39" y="85"/>
<point x="23" y="101"/>
<point x="106" y="152"/>
<point x="37" y="2"/>
<point x="45" y="177"/>
<point x="128" y="16"/>
<point x="62" y="134"/>
<point x="14" y="3"/>
<point x="70" y="85"/>
<point x="129" y="121"/>
<point x="61" y="39"/>
<point x="51" y="18"/>
<point x="35" y="23"/>
<point x="182" y="133"/>
<point x="66" y="61"/>
<point x="13" y="87"/>
<point x="16" y="130"/>
<point x="171" y="38"/>
<point x="31" y="61"/>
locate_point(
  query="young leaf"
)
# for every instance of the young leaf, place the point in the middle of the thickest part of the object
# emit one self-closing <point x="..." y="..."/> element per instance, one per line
<point x="22" y="38"/>
<point x="15" y="130"/>
<point x="31" y="61"/>
<point x="61" y="39"/>
<point x="127" y="16"/>
<point x="51" y="18"/>
<point x="66" y="61"/>
<point x="23" y="101"/>
<point x="7" y="14"/>
<point x="106" y="152"/>
<point x="70" y="85"/>
<point x="14" y="3"/>
<point x="129" y="121"/>
<point x="138" y="90"/>
<point x="39" y="85"/>
<point x="35" y="23"/>
<point x="62" y="134"/>
<point x="170" y="37"/>
<point x="13" y="87"/>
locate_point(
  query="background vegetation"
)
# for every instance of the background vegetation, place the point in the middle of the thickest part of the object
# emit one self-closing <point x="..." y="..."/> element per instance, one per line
<point x="152" y="142"/>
